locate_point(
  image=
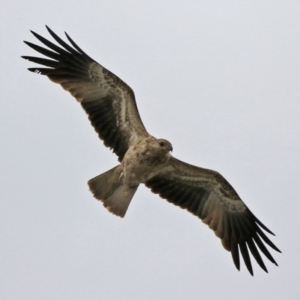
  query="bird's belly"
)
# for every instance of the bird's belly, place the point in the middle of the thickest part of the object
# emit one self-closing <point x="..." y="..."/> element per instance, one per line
<point x="135" y="173"/>
<point x="139" y="169"/>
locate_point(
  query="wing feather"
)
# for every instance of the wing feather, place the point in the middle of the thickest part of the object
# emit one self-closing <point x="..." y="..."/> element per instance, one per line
<point x="108" y="101"/>
<point x="208" y="195"/>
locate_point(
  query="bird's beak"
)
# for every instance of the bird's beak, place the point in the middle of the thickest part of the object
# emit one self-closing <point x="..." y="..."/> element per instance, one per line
<point x="170" y="148"/>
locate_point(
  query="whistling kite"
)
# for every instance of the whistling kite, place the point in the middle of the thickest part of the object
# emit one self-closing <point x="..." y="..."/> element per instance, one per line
<point x="111" y="107"/>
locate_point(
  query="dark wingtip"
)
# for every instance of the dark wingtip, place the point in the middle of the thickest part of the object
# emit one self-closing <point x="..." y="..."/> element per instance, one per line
<point x="260" y="223"/>
<point x="250" y="270"/>
<point x="35" y="70"/>
<point x="263" y="267"/>
<point x="35" y="34"/>
<point x="49" y="30"/>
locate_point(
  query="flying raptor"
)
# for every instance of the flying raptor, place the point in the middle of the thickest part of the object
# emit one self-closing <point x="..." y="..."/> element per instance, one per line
<point x="112" y="111"/>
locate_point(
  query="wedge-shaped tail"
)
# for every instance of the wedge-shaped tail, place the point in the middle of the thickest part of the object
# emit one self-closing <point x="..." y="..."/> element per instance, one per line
<point x="109" y="188"/>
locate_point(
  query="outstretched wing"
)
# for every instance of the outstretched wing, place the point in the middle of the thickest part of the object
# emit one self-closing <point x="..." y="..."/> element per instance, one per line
<point x="208" y="195"/>
<point x="108" y="101"/>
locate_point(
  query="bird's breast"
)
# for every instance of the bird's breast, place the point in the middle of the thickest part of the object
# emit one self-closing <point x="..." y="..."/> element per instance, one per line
<point x="140" y="164"/>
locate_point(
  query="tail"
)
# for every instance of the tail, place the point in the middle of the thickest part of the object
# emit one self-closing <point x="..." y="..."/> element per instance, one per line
<point x="109" y="188"/>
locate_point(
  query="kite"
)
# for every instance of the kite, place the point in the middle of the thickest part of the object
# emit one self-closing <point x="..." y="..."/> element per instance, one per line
<point x="143" y="159"/>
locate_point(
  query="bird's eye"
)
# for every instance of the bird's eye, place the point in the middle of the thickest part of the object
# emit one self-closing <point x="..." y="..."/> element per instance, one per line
<point x="161" y="144"/>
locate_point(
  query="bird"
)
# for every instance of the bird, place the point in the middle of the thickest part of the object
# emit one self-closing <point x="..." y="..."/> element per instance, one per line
<point x="143" y="159"/>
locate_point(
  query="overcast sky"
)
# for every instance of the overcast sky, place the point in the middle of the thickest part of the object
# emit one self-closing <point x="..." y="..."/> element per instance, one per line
<point x="219" y="79"/>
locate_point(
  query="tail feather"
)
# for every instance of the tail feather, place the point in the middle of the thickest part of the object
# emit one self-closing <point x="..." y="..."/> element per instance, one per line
<point x="109" y="188"/>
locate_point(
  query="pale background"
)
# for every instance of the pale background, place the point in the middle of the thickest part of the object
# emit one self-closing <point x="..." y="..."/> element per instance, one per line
<point x="219" y="79"/>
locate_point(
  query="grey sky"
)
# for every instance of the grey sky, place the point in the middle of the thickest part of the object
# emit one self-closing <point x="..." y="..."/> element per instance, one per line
<point x="219" y="79"/>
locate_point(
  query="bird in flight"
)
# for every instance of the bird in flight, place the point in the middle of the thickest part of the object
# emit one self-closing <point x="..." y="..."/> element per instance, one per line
<point x="111" y="107"/>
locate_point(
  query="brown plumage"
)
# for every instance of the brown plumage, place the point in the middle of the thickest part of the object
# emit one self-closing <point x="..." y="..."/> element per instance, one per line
<point x="111" y="108"/>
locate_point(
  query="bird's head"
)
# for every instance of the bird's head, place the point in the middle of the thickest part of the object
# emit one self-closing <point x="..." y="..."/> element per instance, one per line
<point x="165" y="145"/>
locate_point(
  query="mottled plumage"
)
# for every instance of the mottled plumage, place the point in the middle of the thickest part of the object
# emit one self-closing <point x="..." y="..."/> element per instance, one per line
<point x="111" y="108"/>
